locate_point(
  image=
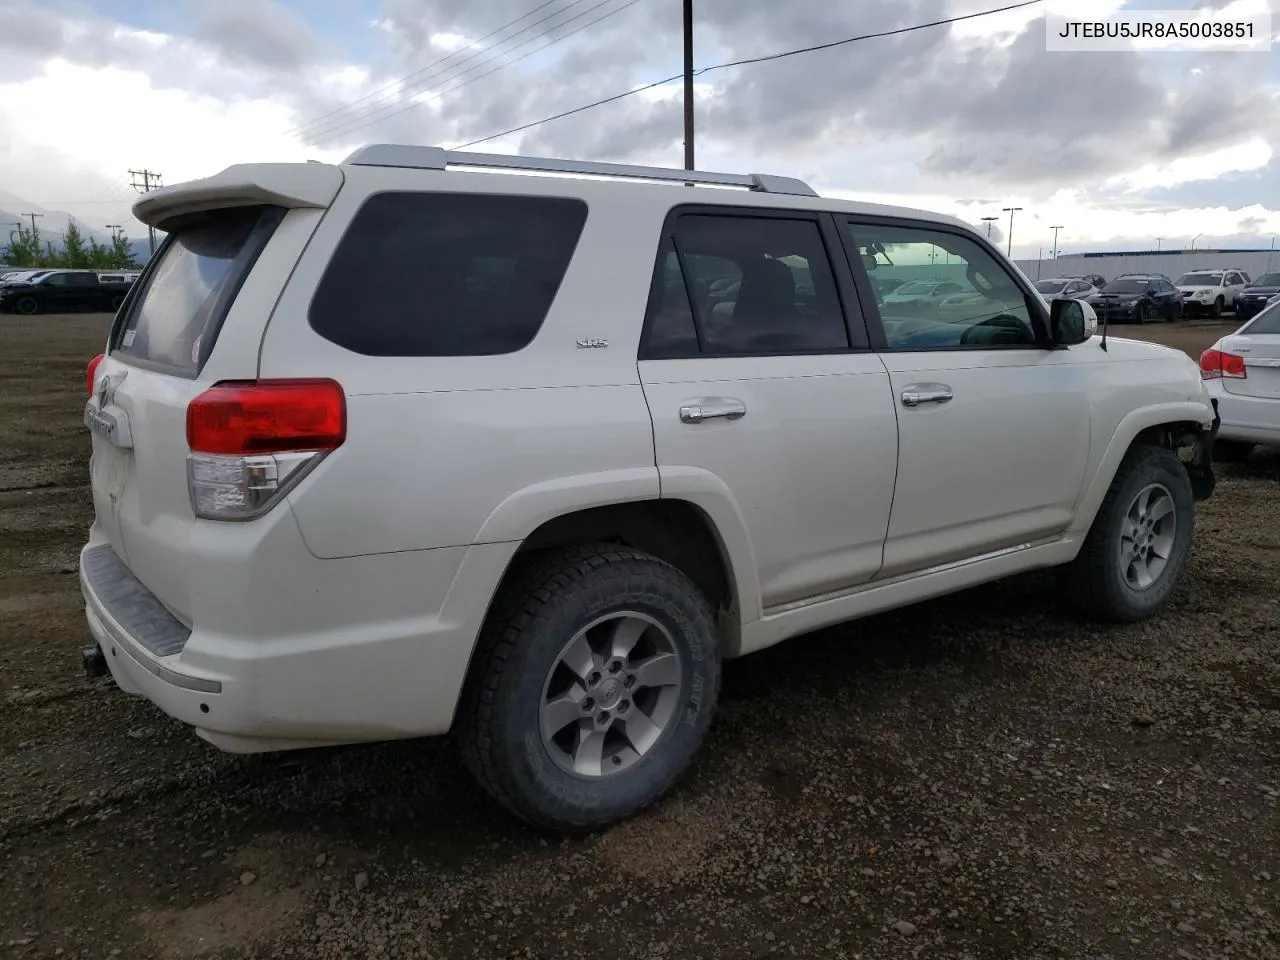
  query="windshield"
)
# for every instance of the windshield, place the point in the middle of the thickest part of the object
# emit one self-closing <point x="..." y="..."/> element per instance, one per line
<point x="1200" y="280"/>
<point x="1126" y="286"/>
<point x="916" y="287"/>
<point x="1051" y="286"/>
<point x="1267" y="280"/>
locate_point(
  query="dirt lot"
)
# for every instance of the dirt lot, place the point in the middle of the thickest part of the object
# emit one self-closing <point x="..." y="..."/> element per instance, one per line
<point x="994" y="778"/>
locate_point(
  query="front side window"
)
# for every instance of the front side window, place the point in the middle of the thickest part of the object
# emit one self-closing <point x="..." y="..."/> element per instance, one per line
<point x="743" y="286"/>
<point x="446" y="274"/>
<point x="985" y="306"/>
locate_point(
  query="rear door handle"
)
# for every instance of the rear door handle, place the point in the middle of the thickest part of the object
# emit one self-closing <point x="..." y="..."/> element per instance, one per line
<point x="712" y="408"/>
<point x="917" y="393"/>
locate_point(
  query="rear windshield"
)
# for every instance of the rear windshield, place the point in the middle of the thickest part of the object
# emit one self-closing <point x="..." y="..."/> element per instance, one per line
<point x="446" y="275"/>
<point x="176" y="313"/>
<point x="1268" y="321"/>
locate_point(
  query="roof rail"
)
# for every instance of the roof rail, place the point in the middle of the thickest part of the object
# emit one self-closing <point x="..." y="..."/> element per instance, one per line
<point x="438" y="158"/>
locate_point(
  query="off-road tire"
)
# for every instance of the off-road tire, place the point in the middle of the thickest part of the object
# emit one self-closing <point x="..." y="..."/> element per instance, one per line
<point x="1093" y="585"/>
<point x="546" y="598"/>
<point x="1232" y="451"/>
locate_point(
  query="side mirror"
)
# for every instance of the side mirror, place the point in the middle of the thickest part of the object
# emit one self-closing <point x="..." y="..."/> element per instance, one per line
<point x="1072" y="321"/>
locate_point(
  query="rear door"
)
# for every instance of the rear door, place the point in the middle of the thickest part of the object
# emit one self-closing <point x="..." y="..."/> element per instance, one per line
<point x="1258" y="343"/>
<point x="758" y="386"/>
<point x="161" y="354"/>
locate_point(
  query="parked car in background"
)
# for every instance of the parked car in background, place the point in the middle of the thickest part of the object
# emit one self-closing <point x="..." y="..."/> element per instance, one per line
<point x="1137" y="297"/>
<point x="1243" y="374"/>
<point x="62" y="291"/>
<point x="1211" y="291"/>
<point x="1254" y="297"/>
<point x="920" y="292"/>
<point x="22" y="276"/>
<point x="1069" y="287"/>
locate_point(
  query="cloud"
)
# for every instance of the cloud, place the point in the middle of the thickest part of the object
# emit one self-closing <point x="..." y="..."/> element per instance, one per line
<point x="257" y="33"/>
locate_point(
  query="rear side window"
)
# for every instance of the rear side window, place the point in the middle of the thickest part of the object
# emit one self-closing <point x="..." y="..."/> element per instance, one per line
<point x="175" y="317"/>
<point x="446" y="275"/>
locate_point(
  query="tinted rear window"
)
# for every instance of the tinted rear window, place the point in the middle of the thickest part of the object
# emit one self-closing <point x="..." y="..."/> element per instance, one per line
<point x="178" y="310"/>
<point x="446" y="275"/>
<point x="1268" y="321"/>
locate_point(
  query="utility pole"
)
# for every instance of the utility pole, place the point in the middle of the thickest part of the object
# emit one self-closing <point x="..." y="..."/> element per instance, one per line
<point x="115" y="229"/>
<point x="149" y="182"/>
<point x="1158" y="240"/>
<point x="1010" y="211"/>
<point x="688" y="84"/>
<point x="1055" y="240"/>
<point x="988" y="220"/>
<point x="33" y="220"/>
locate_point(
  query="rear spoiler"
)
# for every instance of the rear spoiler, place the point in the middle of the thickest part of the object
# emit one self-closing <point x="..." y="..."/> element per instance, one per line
<point x="244" y="184"/>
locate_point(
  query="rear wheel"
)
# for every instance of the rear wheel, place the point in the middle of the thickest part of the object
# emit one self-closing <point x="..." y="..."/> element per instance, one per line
<point x="593" y="684"/>
<point x="117" y="303"/>
<point x="1139" y="542"/>
<point x="1232" y="451"/>
<point x="28" y="306"/>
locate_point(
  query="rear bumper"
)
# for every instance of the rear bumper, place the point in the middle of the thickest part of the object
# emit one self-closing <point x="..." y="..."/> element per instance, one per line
<point x="1249" y="419"/>
<point x="370" y="673"/>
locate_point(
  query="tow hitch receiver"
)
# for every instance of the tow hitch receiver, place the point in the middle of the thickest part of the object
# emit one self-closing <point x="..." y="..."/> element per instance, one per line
<point x="95" y="664"/>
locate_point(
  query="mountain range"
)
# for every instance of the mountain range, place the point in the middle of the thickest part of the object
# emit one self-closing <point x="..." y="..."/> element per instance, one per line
<point x="53" y="224"/>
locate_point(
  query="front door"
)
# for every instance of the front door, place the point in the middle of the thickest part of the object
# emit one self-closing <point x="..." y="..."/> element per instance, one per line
<point x="993" y="424"/>
<point x="765" y="399"/>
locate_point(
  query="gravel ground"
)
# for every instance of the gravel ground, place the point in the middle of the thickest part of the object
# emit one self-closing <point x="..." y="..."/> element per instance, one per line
<point x="978" y="777"/>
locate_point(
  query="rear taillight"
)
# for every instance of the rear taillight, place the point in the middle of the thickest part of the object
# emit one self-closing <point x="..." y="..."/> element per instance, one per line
<point x="250" y="442"/>
<point x="1215" y="364"/>
<point x="91" y="372"/>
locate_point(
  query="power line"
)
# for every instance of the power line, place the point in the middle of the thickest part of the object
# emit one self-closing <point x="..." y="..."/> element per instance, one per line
<point x="395" y="84"/>
<point x="406" y="89"/>
<point x="750" y="60"/>
<point x="390" y="110"/>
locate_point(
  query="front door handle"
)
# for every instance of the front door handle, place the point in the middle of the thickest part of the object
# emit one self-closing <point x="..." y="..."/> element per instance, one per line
<point x="917" y="393"/>
<point x="711" y="408"/>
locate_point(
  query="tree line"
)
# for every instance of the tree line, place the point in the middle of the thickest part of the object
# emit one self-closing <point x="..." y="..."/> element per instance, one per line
<point x="27" y="249"/>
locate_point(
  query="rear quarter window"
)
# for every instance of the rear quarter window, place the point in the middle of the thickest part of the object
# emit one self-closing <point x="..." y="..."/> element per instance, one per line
<point x="446" y="274"/>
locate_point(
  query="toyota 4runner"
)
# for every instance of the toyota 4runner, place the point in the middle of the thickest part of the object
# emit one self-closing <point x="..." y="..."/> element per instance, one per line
<point x="422" y="443"/>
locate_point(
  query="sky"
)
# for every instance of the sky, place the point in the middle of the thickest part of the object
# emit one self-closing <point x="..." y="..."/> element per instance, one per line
<point x="1123" y="150"/>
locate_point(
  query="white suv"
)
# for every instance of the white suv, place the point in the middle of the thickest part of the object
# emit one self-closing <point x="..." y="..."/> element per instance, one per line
<point x="1211" y="291"/>
<point x="393" y="448"/>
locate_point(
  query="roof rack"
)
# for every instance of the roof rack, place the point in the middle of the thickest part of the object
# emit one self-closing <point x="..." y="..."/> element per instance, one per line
<point x="438" y="158"/>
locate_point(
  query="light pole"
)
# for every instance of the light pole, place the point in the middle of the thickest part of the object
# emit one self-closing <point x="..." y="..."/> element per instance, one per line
<point x="988" y="220"/>
<point x="1195" y="238"/>
<point x="1271" y="253"/>
<point x="1158" y="239"/>
<point x="1055" y="240"/>
<point x="1010" y="211"/>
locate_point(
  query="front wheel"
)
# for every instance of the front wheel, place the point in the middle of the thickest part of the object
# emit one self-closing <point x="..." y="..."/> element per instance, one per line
<point x="1216" y="312"/>
<point x="28" y="306"/>
<point x="1138" y="545"/>
<point x="593" y="685"/>
<point x="1141" y="313"/>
